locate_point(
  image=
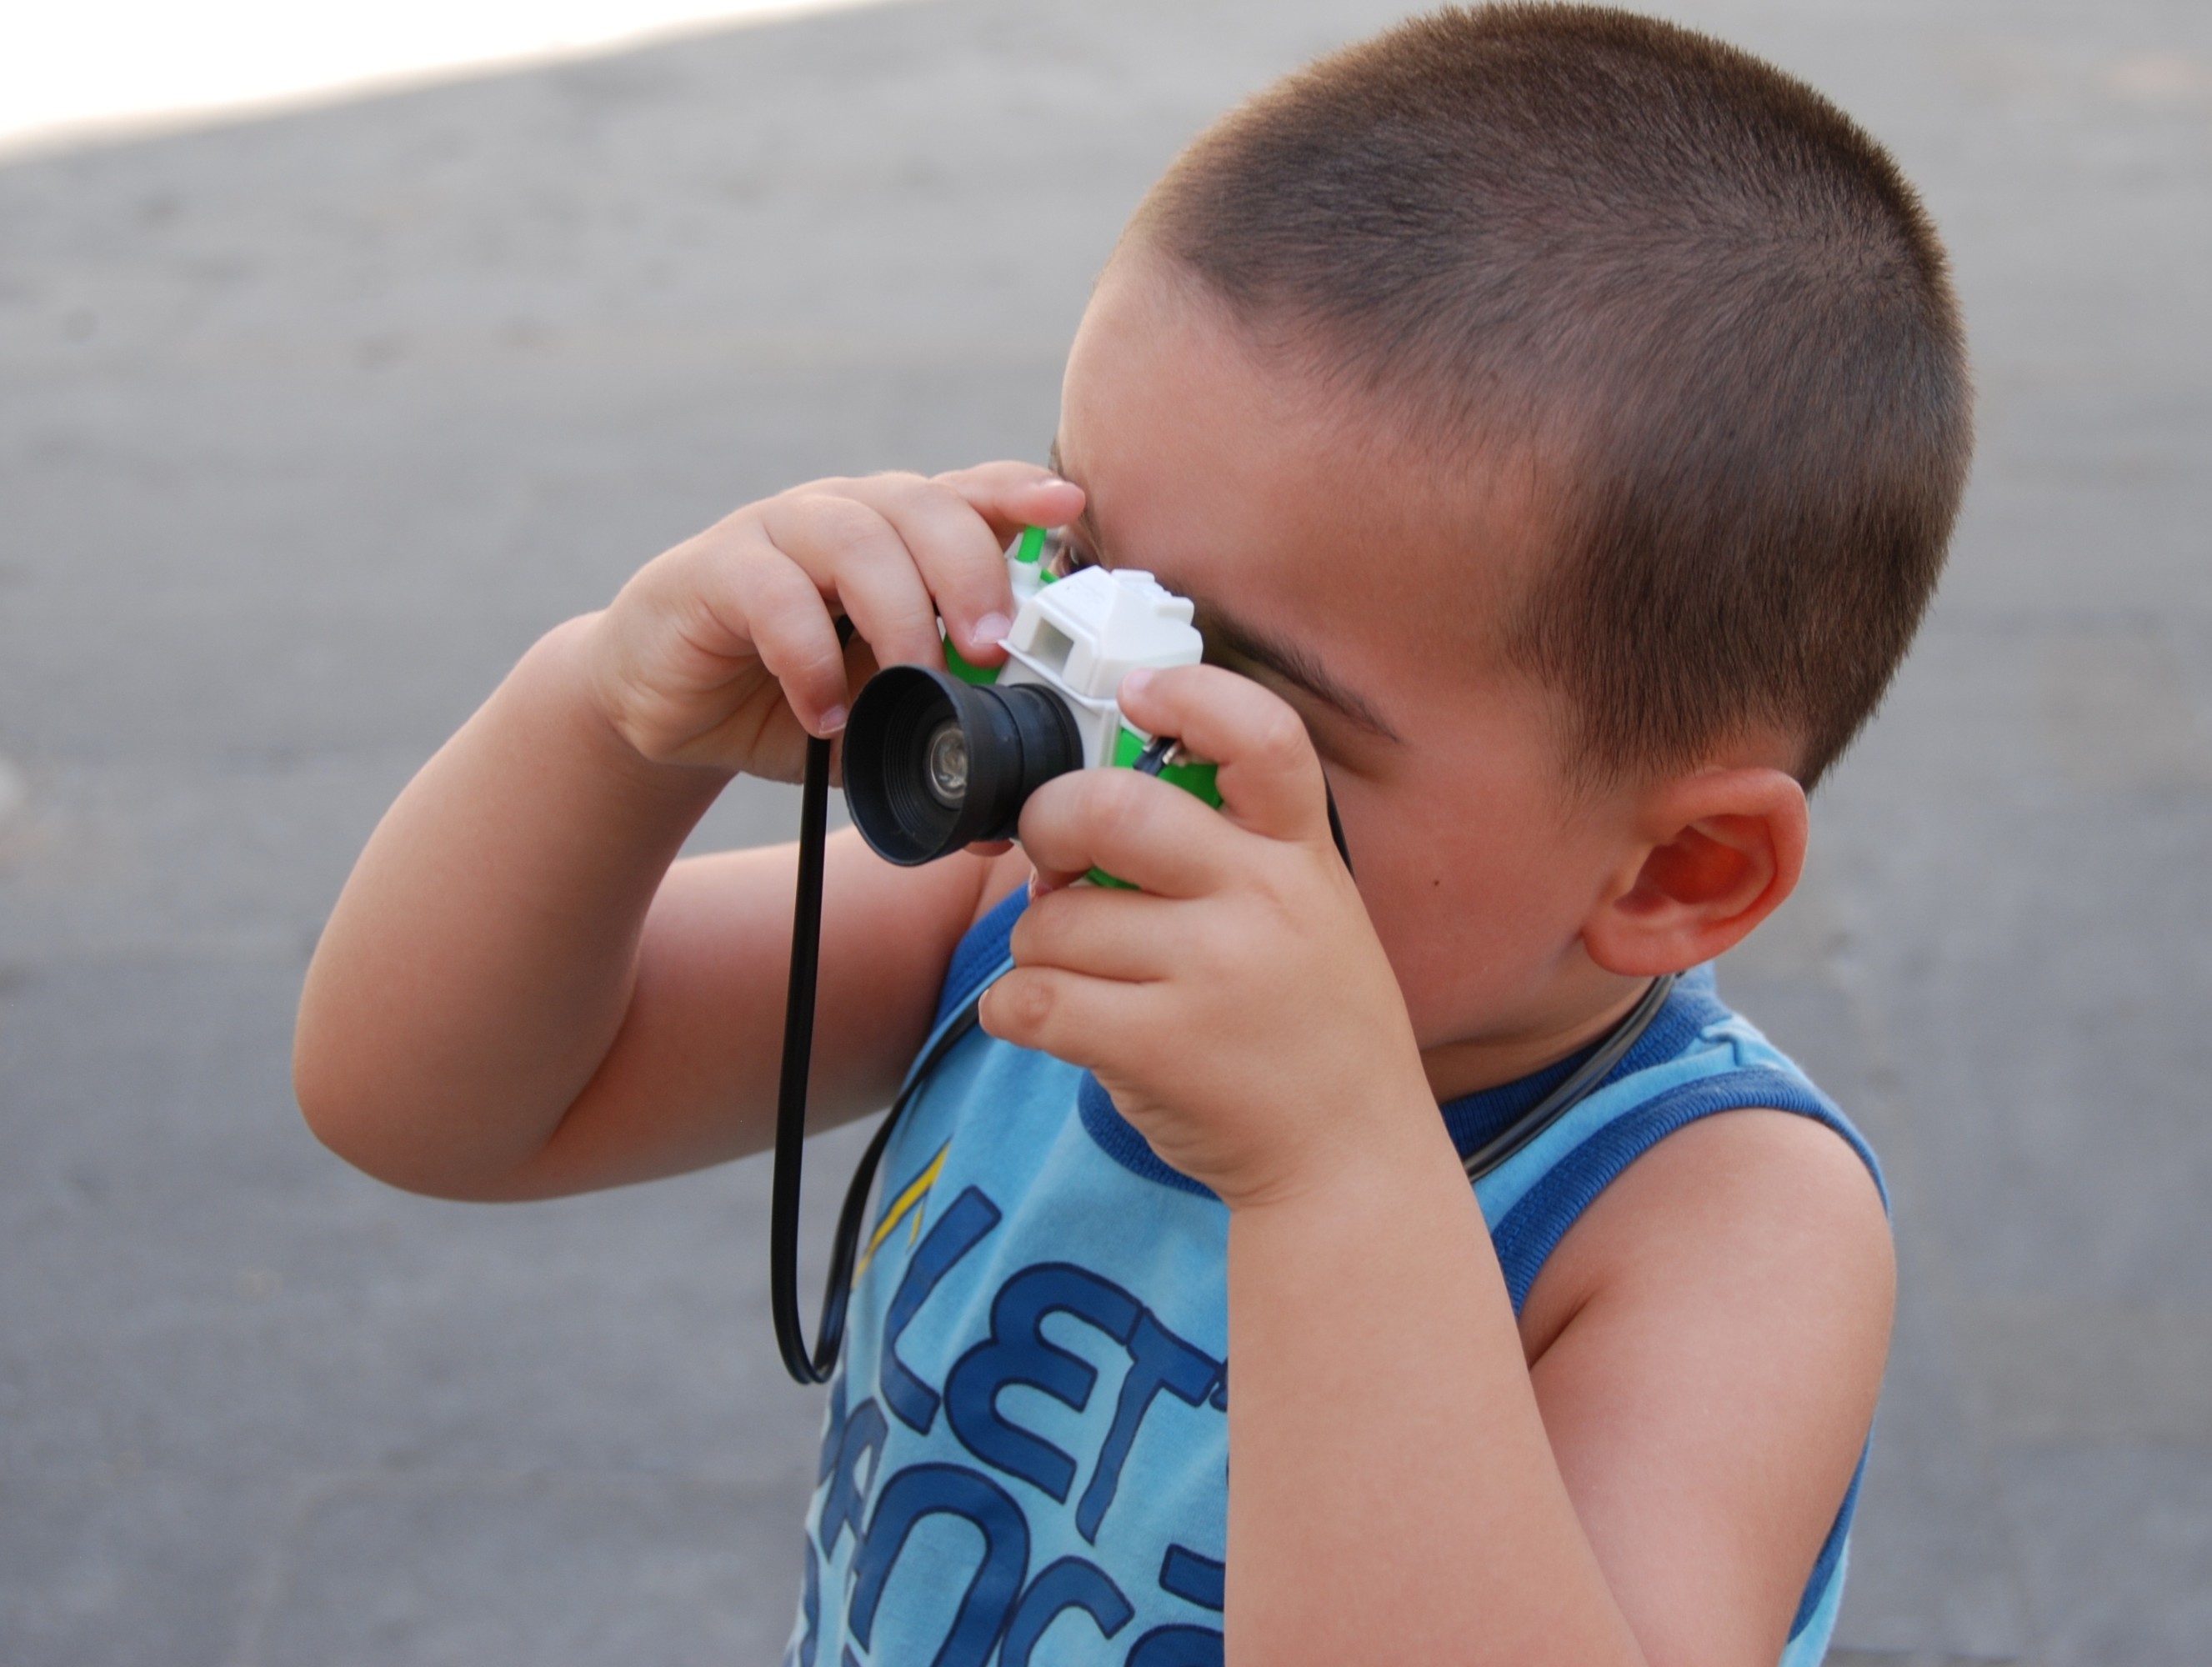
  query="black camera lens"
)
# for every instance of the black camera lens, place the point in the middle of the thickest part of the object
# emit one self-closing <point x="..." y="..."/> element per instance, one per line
<point x="948" y="764"/>
<point x="932" y="764"/>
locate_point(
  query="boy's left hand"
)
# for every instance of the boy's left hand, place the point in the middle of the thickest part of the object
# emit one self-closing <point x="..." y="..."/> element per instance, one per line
<point x="1239" y="1007"/>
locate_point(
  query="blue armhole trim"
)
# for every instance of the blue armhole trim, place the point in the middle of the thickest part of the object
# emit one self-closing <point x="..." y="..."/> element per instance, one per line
<point x="980" y="955"/>
<point x="1825" y="1567"/>
<point x="1533" y="1228"/>
<point x="979" y="960"/>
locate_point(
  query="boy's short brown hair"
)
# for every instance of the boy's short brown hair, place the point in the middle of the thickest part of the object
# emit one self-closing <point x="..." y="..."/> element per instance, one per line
<point x="1700" y="299"/>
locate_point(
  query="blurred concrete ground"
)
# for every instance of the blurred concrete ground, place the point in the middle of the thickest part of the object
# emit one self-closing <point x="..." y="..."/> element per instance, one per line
<point x="307" y="427"/>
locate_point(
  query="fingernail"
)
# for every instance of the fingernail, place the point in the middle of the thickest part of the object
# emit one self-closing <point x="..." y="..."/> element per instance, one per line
<point x="992" y="627"/>
<point x="1134" y="683"/>
<point x="832" y="721"/>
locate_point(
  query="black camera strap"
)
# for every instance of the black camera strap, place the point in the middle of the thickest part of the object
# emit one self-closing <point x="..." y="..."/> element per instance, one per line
<point x="814" y="1365"/>
<point x="1579" y="1085"/>
<point x="806" y="1365"/>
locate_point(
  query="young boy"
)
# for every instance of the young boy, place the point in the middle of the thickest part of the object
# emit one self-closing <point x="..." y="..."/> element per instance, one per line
<point x="1558" y="419"/>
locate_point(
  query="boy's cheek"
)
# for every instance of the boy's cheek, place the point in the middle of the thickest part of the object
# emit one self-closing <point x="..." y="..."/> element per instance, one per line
<point x="1467" y="924"/>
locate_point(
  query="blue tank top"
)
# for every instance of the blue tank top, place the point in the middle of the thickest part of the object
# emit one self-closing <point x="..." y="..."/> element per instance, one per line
<point x="1026" y="1455"/>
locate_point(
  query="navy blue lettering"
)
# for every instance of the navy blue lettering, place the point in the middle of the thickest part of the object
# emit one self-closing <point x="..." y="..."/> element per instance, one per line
<point x="1158" y="1360"/>
<point x="956" y="1232"/>
<point x="931" y="1490"/>
<point x="1176" y="1646"/>
<point x="1194" y="1578"/>
<point x="842" y="1507"/>
<point x="1069" y="1584"/>
<point x="1018" y="1352"/>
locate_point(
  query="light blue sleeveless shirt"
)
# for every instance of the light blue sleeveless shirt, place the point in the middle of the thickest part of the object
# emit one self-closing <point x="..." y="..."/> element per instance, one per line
<point x="1025" y="1458"/>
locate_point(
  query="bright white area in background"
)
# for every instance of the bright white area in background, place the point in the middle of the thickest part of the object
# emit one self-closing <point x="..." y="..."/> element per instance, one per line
<point x="84" y="69"/>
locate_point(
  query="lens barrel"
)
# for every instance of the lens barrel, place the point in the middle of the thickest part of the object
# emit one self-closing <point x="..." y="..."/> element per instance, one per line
<point x="932" y="764"/>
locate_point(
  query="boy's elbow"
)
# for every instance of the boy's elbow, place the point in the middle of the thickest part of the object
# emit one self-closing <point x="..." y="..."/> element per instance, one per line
<point x="345" y="1110"/>
<point x="327" y="1082"/>
<point x="340" y="1114"/>
<point x="321" y="1093"/>
<point x="319" y="1085"/>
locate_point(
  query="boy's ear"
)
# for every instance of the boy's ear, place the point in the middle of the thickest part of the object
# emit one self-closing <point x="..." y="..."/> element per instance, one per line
<point x="1716" y="853"/>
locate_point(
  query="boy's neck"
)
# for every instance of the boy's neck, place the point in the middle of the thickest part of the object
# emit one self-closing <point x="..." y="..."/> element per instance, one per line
<point x="1456" y="1069"/>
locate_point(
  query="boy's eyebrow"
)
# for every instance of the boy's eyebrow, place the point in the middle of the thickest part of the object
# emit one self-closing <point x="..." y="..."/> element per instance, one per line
<point x="1291" y="663"/>
<point x="1225" y="632"/>
<point x="1083" y="523"/>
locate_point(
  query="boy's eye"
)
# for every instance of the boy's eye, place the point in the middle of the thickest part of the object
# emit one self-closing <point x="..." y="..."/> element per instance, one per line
<point x="1063" y="556"/>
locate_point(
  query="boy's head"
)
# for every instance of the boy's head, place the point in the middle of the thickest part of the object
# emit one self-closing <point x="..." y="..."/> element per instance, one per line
<point x="1582" y="398"/>
<point x="1687" y="297"/>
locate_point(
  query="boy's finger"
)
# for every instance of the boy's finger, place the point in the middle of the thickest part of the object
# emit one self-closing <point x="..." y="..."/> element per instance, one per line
<point x="849" y="551"/>
<point x="882" y="593"/>
<point x="774" y="606"/>
<point x="1012" y="495"/>
<point x="1127" y="936"/>
<point x="1156" y="836"/>
<point x="961" y="558"/>
<point x="1063" y="1013"/>
<point x="1269" y="778"/>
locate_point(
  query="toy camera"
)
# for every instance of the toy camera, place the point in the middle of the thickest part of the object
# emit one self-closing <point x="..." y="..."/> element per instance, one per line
<point x="937" y="760"/>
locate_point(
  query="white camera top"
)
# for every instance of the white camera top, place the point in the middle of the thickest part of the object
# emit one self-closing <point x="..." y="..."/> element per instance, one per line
<point x="1082" y="634"/>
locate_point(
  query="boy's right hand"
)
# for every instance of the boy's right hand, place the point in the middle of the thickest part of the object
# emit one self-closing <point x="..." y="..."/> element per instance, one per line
<point x="722" y="653"/>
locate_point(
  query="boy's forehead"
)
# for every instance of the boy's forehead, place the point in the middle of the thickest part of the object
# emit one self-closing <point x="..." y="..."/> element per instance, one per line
<point x="1304" y="522"/>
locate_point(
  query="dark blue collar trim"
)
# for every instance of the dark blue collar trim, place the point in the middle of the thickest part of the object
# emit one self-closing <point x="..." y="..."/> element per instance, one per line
<point x="1475" y="1120"/>
<point x="1117" y="1137"/>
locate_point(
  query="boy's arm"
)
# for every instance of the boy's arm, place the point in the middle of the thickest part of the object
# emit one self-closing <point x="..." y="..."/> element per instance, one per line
<point x="1655" y="1488"/>
<point x="516" y="996"/>
<point x="1707" y="1342"/>
<point x="690" y="1079"/>
<point x="1741" y="1275"/>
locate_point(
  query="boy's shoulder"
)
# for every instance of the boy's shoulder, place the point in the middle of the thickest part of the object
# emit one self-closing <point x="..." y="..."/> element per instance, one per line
<point x="1720" y="1205"/>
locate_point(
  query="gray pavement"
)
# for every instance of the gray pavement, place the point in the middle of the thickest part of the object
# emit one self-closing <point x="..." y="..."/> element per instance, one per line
<point x="307" y="426"/>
